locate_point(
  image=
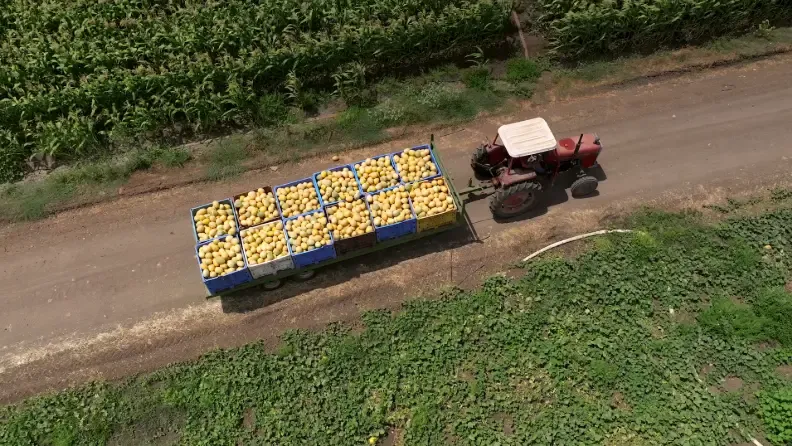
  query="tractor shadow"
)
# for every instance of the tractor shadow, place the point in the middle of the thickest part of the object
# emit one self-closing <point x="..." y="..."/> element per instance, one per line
<point x="254" y="298"/>
<point x="597" y="172"/>
<point x="554" y="194"/>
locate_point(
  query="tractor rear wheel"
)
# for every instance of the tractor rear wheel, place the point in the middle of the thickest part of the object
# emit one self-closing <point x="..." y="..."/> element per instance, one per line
<point x="516" y="199"/>
<point x="479" y="162"/>
<point x="585" y="185"/>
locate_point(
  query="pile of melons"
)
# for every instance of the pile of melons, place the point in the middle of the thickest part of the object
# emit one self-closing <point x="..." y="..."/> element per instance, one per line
<point x="391" y="206"/>
<point x="256" y="207"/>
<point x="221" y="257"/>
<point x="349" y="219"/>
<point x="214" y="220"/>
<point x="431" y="198"/>
<point x="298" y="199"/>
<point x="308" y="232"/>
<point x="264" y="243"/>
<point x="415" y="164"/>
<point x="376" y="174"/>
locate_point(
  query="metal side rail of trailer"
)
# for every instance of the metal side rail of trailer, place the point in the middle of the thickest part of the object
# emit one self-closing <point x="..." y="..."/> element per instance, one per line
<point x="274" y="281"/>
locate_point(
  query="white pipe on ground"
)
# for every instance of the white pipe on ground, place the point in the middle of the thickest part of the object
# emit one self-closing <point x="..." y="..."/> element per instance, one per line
<point x="572" y="239"/>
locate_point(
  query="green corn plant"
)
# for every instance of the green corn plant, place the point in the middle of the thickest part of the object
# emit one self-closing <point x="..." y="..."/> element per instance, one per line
<point x="72" y="136"/>
<point x="12" y="157"/>
<point x="591" y="28"/>
<point x="350" y="84"/>
<point x="477" y="58"/>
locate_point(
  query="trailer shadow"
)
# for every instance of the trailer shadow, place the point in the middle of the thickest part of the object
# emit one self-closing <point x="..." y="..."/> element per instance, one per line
<point x="251" y="299"/>
<point x="254" y="298"/>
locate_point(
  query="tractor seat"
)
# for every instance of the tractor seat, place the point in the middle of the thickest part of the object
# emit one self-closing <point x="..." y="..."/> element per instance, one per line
<point x="566" y="147"/>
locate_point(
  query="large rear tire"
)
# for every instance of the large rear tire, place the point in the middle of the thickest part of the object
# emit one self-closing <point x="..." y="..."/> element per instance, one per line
<point x="478" y="161"/>
<point x="585" y="185"/>
<point x="516" y="199"/>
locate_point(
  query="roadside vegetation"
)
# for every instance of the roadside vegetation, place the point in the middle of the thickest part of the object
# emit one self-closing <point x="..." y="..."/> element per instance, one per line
<point x="35" y="199"/>
<point x="677" y="334"/>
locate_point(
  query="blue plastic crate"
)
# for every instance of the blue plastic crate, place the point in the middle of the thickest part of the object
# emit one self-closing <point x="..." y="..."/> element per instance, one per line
<point x="421" y="147"/>
<point x="195" y="209"/>
<point x="334" y="169"/>
<point x="226" y="282"/>
<point x="313" y="256"/>
<point x="398" y="179"/>
<point x="399" y="229"/>
<point x="294" y="183"/>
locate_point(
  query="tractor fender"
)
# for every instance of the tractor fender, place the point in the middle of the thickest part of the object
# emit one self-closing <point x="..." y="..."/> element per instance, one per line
<point x="506" y="178"/>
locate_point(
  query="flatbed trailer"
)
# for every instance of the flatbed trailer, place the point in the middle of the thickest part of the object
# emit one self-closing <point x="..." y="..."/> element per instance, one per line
<point x="272" y="282"/>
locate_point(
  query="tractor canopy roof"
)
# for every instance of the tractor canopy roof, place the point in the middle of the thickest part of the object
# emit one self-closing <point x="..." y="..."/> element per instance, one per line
<point x="527" y="137"/>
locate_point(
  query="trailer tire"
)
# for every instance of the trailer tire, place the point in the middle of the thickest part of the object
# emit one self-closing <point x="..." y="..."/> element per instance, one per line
<point x="516" y="199"/>
<point x="585" y="185"/>
<point x="305" y="275"/>
<point x="272" y="284"/>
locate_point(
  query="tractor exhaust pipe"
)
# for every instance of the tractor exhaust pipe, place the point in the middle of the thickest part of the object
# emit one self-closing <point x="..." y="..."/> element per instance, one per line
<point x="577" y="146"/>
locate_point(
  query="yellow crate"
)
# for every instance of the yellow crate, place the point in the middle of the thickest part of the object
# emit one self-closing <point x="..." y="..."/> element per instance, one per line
<point x="436" y="221"/>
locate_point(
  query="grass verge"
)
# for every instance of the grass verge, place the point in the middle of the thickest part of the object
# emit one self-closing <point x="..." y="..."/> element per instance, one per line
<point x="445" y="96"/>
<point x="225" y="160"/>
<point x="36" y="199"/>
<point x="672" y="335"/>
<point x="724" y="51"/>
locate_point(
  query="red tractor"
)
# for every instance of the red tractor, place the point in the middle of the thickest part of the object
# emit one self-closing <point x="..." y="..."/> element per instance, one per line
<point x="528" y="158"/>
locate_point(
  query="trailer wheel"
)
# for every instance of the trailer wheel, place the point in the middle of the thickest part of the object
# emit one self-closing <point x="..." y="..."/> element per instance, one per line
<point x="585" y="185"/>
<point x="305" y="275"/>
<point x="272" y="284"/>
<point x="516" y="199"/>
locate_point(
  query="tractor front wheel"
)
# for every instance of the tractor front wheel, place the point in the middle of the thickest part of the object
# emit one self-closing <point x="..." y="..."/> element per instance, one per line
<point x="516" y="199"/>
<point x="585" y="185"/>
<point x="479" y="162"/>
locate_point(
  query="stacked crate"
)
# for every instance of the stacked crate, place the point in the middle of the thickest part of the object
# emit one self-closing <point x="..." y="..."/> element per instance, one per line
<point x="349" y="217"/>
<point x="208" y="234"/>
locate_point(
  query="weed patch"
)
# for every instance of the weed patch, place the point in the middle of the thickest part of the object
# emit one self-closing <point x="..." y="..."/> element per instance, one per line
<point x="225" y="160"/>
<point x="477" y="78"/>
<point x="34" y="200"/>
<point x="172" y="156"/>
<point x="522" y="70"/>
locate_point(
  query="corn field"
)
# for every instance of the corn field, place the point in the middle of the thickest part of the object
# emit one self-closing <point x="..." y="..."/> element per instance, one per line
<point x="78" y="76"/>
<point x="589" y="28"/>
<point x="75" y="75"/>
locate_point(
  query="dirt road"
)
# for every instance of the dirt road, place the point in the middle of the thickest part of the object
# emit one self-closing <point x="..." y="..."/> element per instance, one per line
<point x="113" y="289"/>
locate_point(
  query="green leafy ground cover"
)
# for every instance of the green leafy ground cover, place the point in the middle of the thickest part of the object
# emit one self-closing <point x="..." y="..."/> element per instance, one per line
<point x="639" y="340"/>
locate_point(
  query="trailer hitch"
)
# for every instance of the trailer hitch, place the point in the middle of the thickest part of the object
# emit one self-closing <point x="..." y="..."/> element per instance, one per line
<point x="481" y="186"/>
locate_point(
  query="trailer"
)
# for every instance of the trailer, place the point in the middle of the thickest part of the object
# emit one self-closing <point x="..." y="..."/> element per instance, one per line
<point x="515" y="174"/>
<point x="277" y="278"/>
